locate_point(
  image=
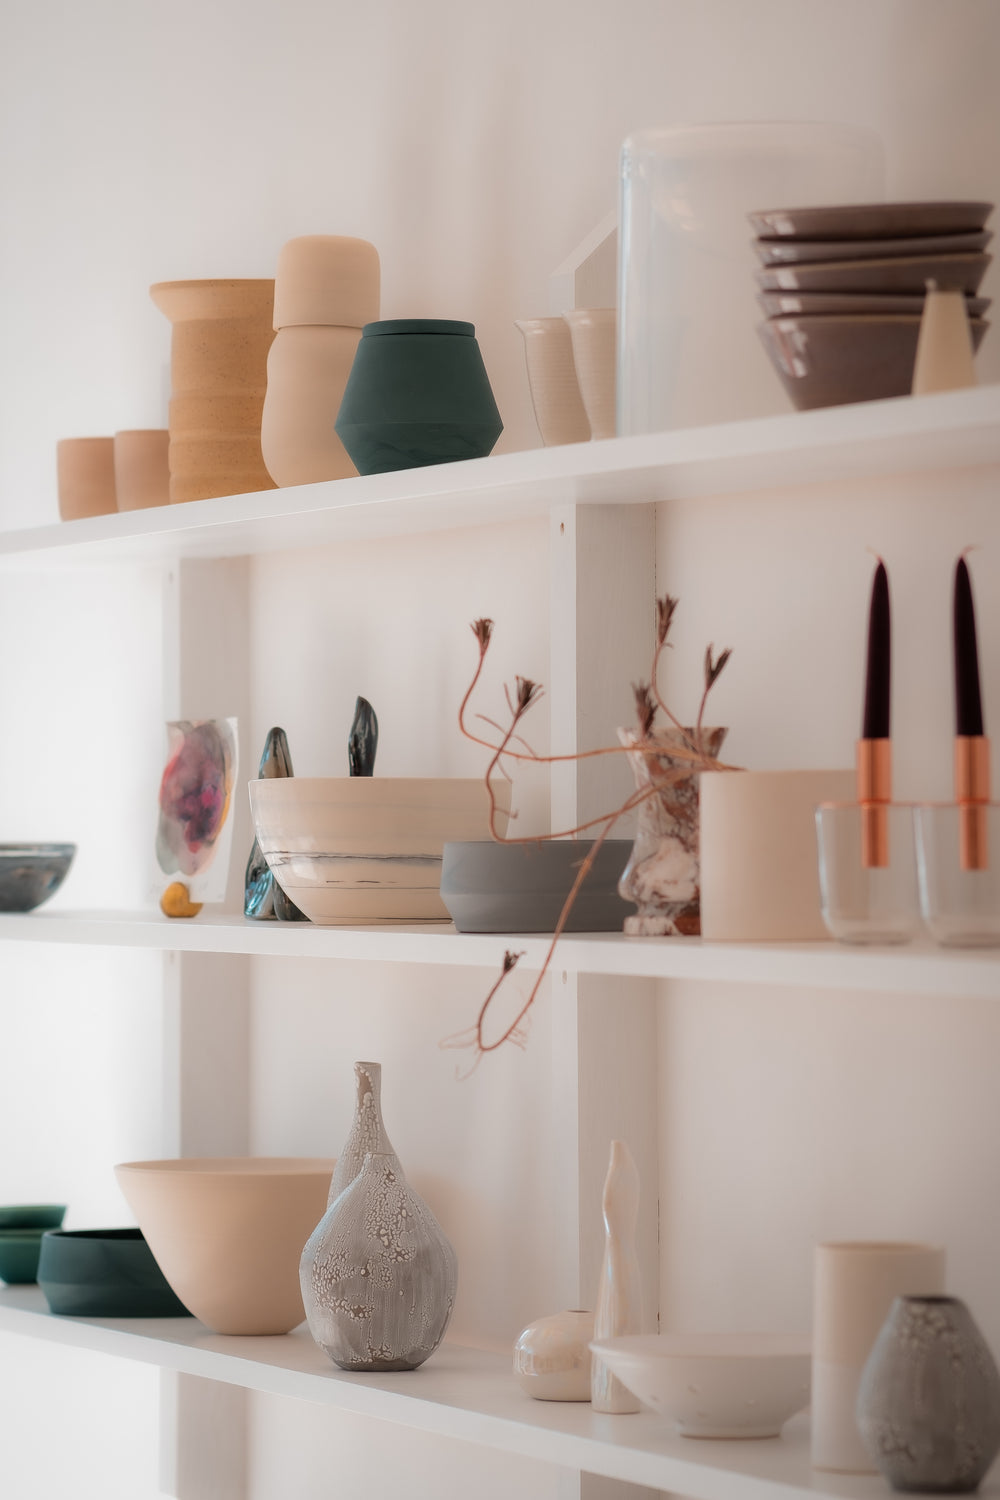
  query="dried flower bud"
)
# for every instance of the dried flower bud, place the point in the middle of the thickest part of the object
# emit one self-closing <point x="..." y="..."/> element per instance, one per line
<point x="645" y="707"/>
<point x="664" y="614"/>
<point x="510" y="961"/>
<point x="482" y="630"/>
<point x="527" y="692"/>
<point x="713" y="669"/>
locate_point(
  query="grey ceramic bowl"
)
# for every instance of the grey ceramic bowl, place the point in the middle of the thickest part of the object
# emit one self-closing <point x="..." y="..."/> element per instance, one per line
<point x="830" y="361"/>
<point x="490" y="887"/>
<point x="30" y="873"/>
<point x="870" y="220"/>
<point x="104" y="1273"/>
<point x="899" y="273"/>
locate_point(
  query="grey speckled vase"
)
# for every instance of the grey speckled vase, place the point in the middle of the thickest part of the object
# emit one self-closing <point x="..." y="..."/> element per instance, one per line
<point x="378" y="1274"/>
<point x="929" y="1399"/>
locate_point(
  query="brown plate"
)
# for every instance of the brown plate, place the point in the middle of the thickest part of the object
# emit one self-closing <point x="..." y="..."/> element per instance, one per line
<point x="776" y="304"/>
<point x="870" y="220"/>
<point x="797" y="252"/>
<point x="909" y="273"/>
<point x="830" y="361"/>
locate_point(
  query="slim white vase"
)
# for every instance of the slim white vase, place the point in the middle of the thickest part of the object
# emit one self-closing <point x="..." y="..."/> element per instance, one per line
<point x="619" y="1293"/>
<point x="854" y="1287"/>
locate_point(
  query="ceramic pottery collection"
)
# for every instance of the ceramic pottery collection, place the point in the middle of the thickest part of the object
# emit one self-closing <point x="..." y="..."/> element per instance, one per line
<point x="378" y="1275"/>
<point x="929" y="1401"/>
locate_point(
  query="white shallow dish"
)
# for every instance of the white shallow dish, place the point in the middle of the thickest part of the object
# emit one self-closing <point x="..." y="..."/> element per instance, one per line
<point x="366" y="849"/>
<point x="715" y="1385"/>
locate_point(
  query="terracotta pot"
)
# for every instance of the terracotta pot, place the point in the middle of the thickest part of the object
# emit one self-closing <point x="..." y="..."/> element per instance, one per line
<point x="86" y="477"/>
<point x="142" y="468"/>
<point x="552" y="379"/>
<point x="218" y="366"/>
<point x="593" y="332"/>
<point x="326" y="288"/>
<point x="228" y="1232"/>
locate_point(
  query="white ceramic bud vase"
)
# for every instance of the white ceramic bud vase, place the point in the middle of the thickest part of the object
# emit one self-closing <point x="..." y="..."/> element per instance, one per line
<point x="619" y="1294"/>
<point x="552" y="1356"/>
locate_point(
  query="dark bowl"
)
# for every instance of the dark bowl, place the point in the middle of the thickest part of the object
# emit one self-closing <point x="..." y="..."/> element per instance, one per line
<point x="32" y="1215"/>
<point x="19" y="1250"/>
<point x="870" y="220"/>
<point x="104" y="1273"/>
<point x="29" y="873"/>
<point x="900" y="273"/>
<point x="801" y="252"/>
<point x="830" y="361"/>
<point x="779" y="304"/>
<point x="491" y="887"/>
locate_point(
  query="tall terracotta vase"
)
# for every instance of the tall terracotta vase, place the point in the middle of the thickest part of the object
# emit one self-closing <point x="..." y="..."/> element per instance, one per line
<point x="326" y="288"/>
<point x="662" y="875"/>
<point x="218" y="368"/>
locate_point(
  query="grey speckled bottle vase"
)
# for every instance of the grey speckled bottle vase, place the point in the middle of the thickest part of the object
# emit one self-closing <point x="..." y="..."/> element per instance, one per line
<point x="929" y="1400"/>
<point x="378" y="1274"/>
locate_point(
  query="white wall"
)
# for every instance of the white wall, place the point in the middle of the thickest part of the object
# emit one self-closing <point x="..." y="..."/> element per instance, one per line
<point x="475" y="146"/>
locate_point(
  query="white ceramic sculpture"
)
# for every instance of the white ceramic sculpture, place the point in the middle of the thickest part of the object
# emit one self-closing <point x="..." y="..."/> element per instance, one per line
<point x="619" y="1294"/>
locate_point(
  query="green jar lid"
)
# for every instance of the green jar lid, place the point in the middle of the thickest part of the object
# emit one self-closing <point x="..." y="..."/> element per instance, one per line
<point x="418" y="325"/>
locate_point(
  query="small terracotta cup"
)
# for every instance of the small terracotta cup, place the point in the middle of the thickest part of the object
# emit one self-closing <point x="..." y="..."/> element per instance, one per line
<point x="142" y="472"/>
<point x="86" y="476"/>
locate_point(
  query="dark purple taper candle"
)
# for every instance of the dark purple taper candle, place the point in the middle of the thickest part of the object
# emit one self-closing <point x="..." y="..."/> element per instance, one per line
<point x="968" y="702"/>
<point x="875" y="723"/>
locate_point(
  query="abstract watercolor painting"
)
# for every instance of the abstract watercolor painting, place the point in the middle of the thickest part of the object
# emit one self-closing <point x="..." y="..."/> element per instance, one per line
<point x="196" y="795"/>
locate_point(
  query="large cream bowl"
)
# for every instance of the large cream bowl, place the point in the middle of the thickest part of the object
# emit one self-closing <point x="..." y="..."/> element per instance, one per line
<point x="358" y="849"/>
<point x="227" y="1232"/>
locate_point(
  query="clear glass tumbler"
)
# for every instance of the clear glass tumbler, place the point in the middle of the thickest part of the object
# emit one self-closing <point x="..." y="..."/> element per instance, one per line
<point x="867" y="904"/>
<point x="688" y="350"/>
<point x="958" y="864"/>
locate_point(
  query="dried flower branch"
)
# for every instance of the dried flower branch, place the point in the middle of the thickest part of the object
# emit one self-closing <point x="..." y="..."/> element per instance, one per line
<point x="525" y="694"/>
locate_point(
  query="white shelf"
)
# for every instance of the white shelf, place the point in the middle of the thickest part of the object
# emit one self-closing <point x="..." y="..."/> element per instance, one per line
<point x="917" y="969"/>
<point x="957" y="429"/>
<point x="460" y="1393"/>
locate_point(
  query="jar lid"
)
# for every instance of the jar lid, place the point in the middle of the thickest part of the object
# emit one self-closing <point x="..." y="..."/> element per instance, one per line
<point x="326" y="279"/>
<point x="418" y="325"/>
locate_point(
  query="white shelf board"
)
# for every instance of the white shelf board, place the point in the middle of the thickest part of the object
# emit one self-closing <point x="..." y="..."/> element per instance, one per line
<point x="461" y="1393"/>
<point x="956" y="429"/>
<point x="917" y="969"/>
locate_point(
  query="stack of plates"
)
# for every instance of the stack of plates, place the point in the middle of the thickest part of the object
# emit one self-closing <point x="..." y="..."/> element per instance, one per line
<point x="842" y="289"/>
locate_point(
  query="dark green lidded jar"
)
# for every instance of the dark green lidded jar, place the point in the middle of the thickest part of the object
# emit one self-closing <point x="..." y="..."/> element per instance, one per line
<point x="418" y="393"/>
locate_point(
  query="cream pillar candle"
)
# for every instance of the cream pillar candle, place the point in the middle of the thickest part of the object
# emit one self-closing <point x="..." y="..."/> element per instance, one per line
<point x="944" y="358"/>
<point x="855" y="1283"/>
<point x="759" y="865"/>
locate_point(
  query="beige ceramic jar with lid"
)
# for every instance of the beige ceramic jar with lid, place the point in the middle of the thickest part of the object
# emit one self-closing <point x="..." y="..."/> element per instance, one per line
<point x="326" y="288"/>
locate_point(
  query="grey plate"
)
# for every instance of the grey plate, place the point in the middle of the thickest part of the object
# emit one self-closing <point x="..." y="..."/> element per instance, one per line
<point x="870" y="220"/>
<point x="777" y="304"/>
<point x="898" y="274"/>
<point x="799" y="252"/>
<point x="489" y="887"/>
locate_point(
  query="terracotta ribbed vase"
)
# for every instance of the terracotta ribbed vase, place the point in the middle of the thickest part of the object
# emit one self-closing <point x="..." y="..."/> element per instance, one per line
<point x="218" y="368"/>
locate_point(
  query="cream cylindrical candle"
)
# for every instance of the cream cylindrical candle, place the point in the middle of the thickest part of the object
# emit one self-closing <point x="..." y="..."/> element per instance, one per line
<point x="759" y="866"/>
<point x="855" y="1283"/>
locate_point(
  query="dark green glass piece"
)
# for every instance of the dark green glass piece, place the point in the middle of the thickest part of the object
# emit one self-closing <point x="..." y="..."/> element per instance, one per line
<point x="362" y="742"/>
